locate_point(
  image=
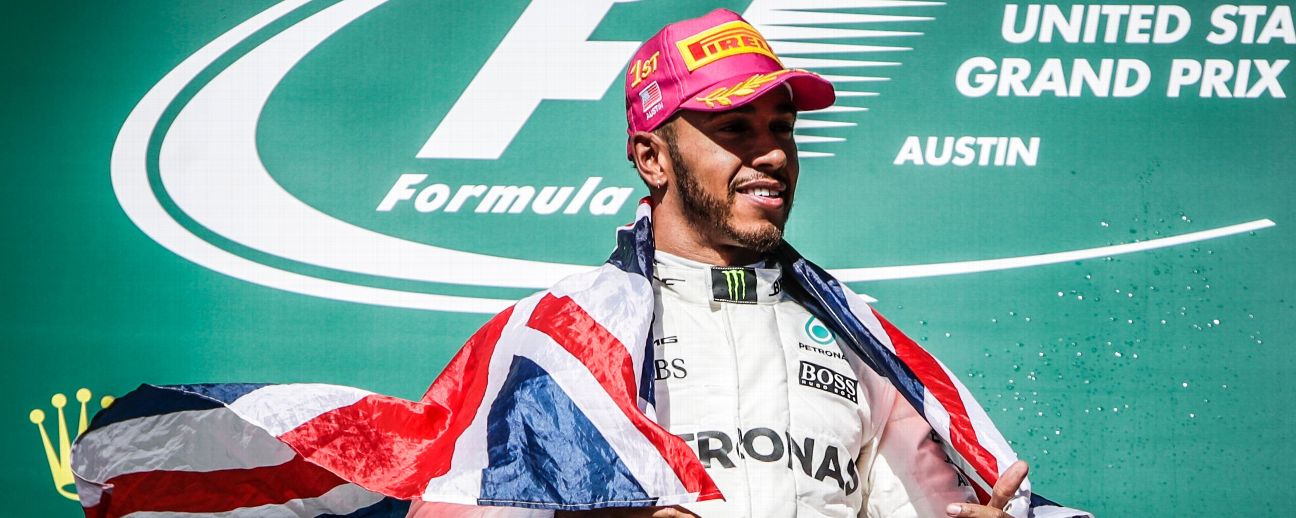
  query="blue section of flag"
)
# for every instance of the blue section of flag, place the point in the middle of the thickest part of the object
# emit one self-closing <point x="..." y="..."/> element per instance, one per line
<point x="223" y="392"/>
<point x="635" y="248"/>
<point x="151" y="400"/>
<point x="542" y="448"/>
<point x="386" y="508"/>
<point x="1039" y="502"/>
<point x="634" y="255"/>
<point x="647" y="376"/>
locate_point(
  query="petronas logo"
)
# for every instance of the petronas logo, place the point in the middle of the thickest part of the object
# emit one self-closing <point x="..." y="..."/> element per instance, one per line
<point x="733" y="285"/>
<point x="60" y="462"/>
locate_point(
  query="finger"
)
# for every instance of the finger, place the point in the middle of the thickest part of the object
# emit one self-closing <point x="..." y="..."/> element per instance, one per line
<point x="673" y="512"/>
<point x="1008" y="484"/>
<point x="974" y="511"/>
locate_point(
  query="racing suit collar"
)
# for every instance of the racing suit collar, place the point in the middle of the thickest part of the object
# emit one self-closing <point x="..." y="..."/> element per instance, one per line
<point x="700" y="283"/>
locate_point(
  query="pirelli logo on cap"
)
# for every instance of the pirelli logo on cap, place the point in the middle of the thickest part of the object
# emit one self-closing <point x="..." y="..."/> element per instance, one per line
<point x="722" y="41"/>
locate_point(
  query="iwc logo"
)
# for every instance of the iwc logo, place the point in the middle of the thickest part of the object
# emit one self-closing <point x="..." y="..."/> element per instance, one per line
<point x="60" y="461"/>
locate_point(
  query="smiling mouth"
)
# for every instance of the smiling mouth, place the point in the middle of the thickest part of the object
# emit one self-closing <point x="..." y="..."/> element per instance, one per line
<point x="766" y="194"/>
<point x="765" y="188"/>
<point x="763" y="192"/>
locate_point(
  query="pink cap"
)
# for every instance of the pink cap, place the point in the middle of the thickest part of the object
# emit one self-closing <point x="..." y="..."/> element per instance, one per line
<point x="714" y="63"/>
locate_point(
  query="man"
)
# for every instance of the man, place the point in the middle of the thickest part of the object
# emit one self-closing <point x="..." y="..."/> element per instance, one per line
<point x="787" y="422"/>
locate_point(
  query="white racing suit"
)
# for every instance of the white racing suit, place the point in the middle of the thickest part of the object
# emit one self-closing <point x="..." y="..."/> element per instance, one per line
<point x="786" y="422"/>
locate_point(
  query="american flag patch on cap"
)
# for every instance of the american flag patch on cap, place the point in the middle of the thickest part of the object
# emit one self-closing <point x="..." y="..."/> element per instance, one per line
<point x="650" y="100"/>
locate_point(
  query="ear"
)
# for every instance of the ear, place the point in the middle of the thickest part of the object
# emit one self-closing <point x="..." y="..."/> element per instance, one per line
<point x="651" y="158"/>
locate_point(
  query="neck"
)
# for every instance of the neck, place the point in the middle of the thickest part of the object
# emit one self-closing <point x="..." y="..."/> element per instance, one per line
<point x="676" y="237"/>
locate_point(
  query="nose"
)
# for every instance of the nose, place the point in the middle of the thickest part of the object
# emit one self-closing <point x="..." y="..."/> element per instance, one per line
<point x="770" y="153"/>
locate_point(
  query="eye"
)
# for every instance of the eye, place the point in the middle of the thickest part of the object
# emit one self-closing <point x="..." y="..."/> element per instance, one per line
<point x="735" y="126"/>
<point x="783" y="126"/>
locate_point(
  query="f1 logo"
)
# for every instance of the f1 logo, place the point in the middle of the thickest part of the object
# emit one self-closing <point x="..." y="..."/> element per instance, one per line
<point x="557" y="58"/>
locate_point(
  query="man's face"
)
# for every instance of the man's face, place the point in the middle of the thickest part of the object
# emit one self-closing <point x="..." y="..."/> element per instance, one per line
<point x="736" y="171"/>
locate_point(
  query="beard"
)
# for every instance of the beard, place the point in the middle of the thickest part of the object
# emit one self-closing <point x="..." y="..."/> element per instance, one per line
<point x="711" y="215"/>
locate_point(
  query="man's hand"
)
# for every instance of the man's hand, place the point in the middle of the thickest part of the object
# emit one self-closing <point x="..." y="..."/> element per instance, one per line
<point x="999" y="496"/>
<point x="630" y="512"/>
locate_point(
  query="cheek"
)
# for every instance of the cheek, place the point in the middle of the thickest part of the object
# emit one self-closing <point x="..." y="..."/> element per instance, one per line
<point x="715" y="169"/>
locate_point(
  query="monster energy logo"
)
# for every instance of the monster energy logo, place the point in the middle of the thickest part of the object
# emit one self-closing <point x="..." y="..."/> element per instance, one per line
<point x="733" y="285"/>
<point x="737" y="283"/>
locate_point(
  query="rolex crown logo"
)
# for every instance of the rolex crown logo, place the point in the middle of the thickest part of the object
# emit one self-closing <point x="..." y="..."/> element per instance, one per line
<point x="60" y="462"/>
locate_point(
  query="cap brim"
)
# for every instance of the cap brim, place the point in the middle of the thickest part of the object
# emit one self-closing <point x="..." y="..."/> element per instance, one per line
<point x="809" y="91"/>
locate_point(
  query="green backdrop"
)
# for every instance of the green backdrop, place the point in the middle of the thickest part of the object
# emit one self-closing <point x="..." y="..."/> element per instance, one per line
<point x="1143" y="380"/>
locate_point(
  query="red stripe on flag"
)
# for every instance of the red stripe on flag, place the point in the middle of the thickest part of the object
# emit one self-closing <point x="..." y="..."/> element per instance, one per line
<point x="416" y="439"/>
<point x="213" y="491"/>
<point x="929" y="372"/>
<point x="982" y="494"/>
<point x="563" y="320"/>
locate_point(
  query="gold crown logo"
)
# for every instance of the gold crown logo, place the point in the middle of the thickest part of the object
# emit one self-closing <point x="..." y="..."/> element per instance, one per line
<point x="60" y="463"/>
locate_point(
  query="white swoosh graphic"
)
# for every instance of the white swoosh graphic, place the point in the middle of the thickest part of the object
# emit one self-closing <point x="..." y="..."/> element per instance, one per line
<point x="886" y="273"/>
<point x="210" y="166"/>
<point x="130" y="182"/>
<point x="799" y="30"/>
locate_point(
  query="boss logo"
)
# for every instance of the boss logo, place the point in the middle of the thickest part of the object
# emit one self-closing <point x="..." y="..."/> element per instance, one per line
<point x="828" y="380"/>
<point x="670" y="369"/>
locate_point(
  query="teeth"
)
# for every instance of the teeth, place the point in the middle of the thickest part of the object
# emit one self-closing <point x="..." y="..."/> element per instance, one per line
<point x="764" y="192"/>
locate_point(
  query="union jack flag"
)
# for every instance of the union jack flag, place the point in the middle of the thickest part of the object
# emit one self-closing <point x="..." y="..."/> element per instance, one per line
<point x="548" y="406"/>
